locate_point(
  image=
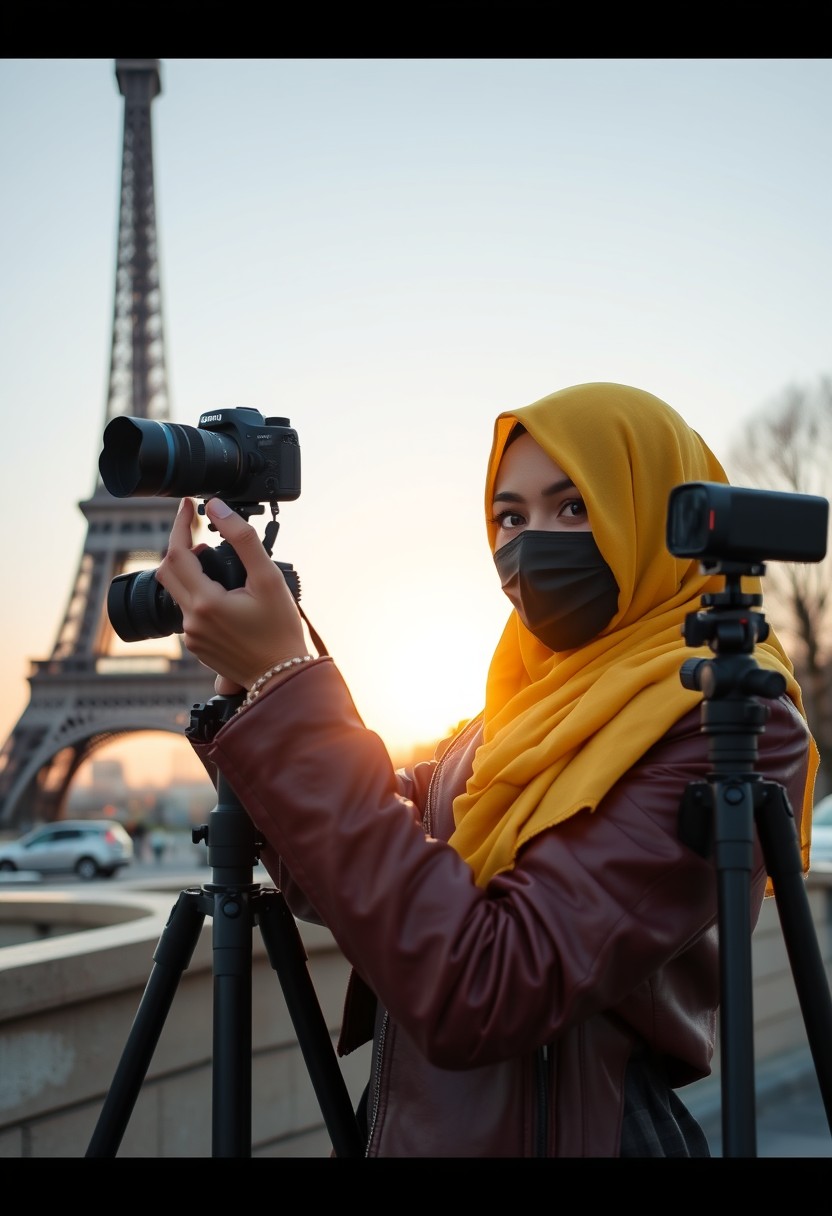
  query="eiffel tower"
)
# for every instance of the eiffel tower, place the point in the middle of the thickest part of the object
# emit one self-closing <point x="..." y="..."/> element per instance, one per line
<point x="86" y="694"/>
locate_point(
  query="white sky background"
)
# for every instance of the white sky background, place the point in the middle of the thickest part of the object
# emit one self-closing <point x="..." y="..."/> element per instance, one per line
<point x="390" y="252"/>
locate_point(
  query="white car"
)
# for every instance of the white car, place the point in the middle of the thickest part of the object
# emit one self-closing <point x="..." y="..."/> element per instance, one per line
<point x="87" y="847"/>
<point x="821" y="850"/>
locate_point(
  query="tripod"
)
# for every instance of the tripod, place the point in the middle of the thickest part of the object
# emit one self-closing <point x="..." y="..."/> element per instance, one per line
<point x="236" y="904"/>
<point x="734" y="799"/>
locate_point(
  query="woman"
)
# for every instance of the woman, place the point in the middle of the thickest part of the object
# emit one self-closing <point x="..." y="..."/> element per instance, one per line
<point x="534" y="948"/>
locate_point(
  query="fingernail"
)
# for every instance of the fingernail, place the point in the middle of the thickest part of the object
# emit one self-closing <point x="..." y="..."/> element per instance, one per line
<point x="219" y="508"/>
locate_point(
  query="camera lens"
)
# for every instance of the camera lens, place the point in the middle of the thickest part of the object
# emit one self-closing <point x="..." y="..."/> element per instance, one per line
<point x="688" y="527"/>
<point x="164" y="459"/>
<point x="139" y="607"/>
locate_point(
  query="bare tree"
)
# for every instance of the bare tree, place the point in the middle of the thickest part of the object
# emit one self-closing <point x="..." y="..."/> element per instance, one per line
<point x="787" y="446"/>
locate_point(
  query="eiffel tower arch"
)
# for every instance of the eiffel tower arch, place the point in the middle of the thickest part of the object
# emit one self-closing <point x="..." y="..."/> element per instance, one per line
<point x="86" y="694"/>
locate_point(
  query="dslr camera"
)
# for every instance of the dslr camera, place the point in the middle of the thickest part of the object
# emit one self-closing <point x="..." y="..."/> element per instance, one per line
<point x="234" y="454"/>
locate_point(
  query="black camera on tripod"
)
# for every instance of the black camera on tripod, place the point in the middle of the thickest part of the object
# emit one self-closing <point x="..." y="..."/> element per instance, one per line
<point x="715" y="522"/>
<point x="234" y="454"/>
<point x="734" y="531"/>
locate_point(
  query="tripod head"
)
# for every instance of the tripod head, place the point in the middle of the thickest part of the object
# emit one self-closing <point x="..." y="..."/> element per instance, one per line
<point x="233" y="846"/>
<point x="731" y="625"/>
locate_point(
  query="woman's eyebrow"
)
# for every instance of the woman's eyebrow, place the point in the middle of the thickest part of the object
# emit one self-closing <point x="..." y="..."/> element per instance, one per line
<point x="565" y="483"/>
<point x="556" y="487"/>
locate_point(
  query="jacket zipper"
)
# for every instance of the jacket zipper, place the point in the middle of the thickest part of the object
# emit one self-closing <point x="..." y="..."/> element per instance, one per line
<point x="379" y="1054"/>
<point x="454" y="745"/>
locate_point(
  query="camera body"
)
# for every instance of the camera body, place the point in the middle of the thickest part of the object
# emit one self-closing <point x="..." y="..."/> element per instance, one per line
<point x="234" y="453"/>
<point x="717" y="522"/>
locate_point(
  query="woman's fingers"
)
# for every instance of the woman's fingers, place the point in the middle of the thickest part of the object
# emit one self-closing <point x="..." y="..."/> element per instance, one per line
<point x="224" y="687"/>
<point x="240" y="632"/>
<point x="180" y="567"/>
<point x="260" y="569"/>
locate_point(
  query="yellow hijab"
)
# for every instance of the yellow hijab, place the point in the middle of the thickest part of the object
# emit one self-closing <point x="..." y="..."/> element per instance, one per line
<point x="560" y="729"/>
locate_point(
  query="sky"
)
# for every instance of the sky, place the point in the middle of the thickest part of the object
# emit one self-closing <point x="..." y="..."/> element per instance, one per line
<point x="390" y="252"/>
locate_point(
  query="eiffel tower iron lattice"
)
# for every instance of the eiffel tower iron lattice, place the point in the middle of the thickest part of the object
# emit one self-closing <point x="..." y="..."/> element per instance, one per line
<point x="87" y="693"/>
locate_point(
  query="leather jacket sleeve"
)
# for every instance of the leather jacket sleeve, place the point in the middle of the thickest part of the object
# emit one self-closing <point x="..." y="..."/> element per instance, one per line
<point x="610" y="911"/>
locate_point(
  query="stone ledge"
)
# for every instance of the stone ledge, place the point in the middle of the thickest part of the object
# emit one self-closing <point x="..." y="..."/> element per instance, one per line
<point x="112" y="952"/>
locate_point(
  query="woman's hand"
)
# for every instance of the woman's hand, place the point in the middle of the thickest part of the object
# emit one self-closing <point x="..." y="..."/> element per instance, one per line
<point x="240" y="633"/>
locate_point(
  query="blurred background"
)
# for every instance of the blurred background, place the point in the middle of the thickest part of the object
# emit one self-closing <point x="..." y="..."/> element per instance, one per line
<point x="390" y="252"/>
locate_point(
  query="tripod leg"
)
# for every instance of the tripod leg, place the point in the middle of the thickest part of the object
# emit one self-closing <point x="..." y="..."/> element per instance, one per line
<point x="233" y="922"/>
<point x="778" y="838"/>
<point x="171" y="958"/>
<point x="288" y="958"/>
<point x="733" y="850"/>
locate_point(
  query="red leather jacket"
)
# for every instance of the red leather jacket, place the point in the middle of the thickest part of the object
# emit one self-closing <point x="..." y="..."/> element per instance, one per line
<point x="505" y="1016"/>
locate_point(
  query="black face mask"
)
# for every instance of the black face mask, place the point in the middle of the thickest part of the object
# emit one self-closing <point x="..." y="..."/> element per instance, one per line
<point x="562" y="588"/>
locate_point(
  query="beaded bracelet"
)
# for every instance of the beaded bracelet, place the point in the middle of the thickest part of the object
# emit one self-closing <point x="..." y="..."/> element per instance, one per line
<point x="254" y="691"/>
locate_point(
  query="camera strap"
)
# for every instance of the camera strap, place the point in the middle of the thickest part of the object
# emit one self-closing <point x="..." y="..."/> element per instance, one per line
<point x="269" y="537"/>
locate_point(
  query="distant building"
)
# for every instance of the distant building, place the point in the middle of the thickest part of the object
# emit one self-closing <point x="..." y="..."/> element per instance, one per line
<point x="106" y="772"/>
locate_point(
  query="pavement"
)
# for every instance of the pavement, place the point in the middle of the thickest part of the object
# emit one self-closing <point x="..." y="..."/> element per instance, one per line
<point x="791" y="1118"/>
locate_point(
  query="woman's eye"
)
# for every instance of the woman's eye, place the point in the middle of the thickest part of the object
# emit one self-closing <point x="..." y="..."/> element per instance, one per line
<point x="508" y="519"/>
<point x="575" y="508"/>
